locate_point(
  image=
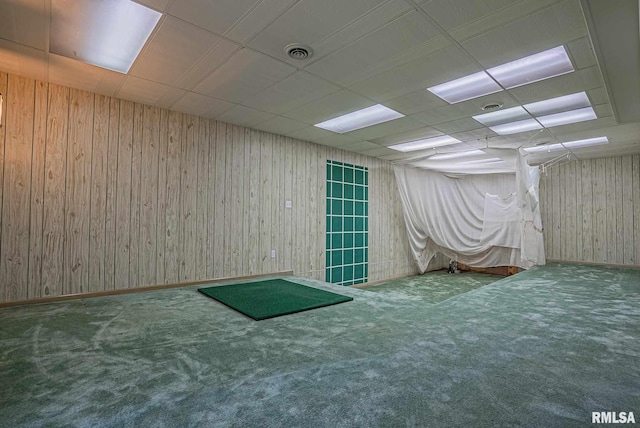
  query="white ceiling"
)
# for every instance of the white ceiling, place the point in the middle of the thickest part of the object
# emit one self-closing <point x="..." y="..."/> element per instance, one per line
<point x="225" y="59"/>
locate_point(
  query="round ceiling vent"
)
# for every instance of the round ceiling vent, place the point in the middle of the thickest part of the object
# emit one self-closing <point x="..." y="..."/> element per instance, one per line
<point x="492" y="106"/>
<point x="298" y="51"/>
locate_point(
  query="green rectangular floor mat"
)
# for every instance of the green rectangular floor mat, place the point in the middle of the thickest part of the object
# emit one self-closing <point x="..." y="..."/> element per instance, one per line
<point x="272" y="298"/>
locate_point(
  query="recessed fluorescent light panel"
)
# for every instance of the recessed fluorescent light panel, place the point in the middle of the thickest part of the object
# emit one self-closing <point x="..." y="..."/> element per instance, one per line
<point x="567" y="117"/>
<point x="577" y="144"/>
<point x="105" y="33"/>
<point x="515" y="127"/>
<point x="428" y="143"/>
<point x="533" y="68"/>
<point x="556" y="105"/>
<point x="466" y="88"/>
<point x="457" y="155"/>
<point x="502" y="116"/>
<point x="360" y="119"/>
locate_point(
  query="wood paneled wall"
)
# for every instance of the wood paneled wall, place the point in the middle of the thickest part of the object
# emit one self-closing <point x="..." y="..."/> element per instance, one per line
<point x="591" y="211"/>
<point x="98" y="194"/>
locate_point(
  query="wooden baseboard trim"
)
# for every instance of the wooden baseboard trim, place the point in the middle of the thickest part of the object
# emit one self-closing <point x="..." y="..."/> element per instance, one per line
<point x="139" y="289"/>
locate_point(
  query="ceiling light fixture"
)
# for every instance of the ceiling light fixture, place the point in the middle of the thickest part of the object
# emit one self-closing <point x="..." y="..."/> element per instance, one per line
<point x="533" y="68"/>
<point x="502" y="116"/>
<point x="360" y="119"/>
<point x="107" y="33"/>
<point x="515" y="127"/>
<point x="577" y="144"/>
<point x="457" y="155"/>
<point x="427" y="143"/>
<point x="559" y="104"/>
<point x="567" y="117"/>
<point x="466" y="88"/>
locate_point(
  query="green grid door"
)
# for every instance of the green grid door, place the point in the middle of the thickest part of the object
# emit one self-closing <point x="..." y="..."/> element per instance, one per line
<point x="347" y="256"/>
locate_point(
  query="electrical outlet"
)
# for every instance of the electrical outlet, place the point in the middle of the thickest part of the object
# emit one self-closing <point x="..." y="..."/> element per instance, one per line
<point x="273" y="254"/>
<point x="287" y="204"/>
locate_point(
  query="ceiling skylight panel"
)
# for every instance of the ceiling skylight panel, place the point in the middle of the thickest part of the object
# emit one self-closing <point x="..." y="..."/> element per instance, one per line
<point x="567" y="117"/>
<point x="559" y="104"/>
<point x="466" y="88"/>
<point x="360" y="119"/>
<point x="107" y="33"/>
<point x="515" y="127"/>
<point x="533" y="68"/>
<point x="502" y="116"/>
<point x="428" y="143"/>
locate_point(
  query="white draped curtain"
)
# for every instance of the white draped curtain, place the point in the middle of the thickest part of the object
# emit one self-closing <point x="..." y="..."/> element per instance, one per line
<point x="479" y="220"/>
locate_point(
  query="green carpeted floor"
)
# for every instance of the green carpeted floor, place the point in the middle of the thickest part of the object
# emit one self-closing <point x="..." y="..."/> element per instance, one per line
<point x="543" y="348"/>
<point x="434" y="287"/>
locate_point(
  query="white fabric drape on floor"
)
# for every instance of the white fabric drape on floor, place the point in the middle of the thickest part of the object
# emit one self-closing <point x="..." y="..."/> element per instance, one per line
<point x="479" y="220"/>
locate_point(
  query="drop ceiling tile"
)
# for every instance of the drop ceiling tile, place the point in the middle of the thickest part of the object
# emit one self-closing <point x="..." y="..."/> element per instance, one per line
<point x="217" y="55"/>
<point x="159" y="5"/>
<point x="201" y="105"/>
<point x="598" y="96"/>
<point x="336" y="140"/>
<point x="460" y="125"/>
<point x="148" y="92"/>
<point x="310" y="133"/>
<point x="481" y="134"/>
<point x="581" y="53"/>
<point x="360" y="146"/>
<point x="603" y="122"/>
<point x="23" y="60"/>
<point x="535" y="33"/>
<point x="174" y="47"/>
<point x="404" y="137"/>
<point x="580" y="80"/>
<point x="244" y="75"/>
<point x="25" y="22"/>
<point x="80" y="75"/>
<point x="380" y="151"/>
<point x="381" y="130"/>
<point x="216" y="16"/>
<point x="442" y="66"/>
<point x="280" y="125"/>
<point x="256" y="19"/>
<point x="244" y="116"/>
<point x="499" y="18"/>
<point x="414" y="102"/>
<point x="603" y="110"/>
<point x="334" y="105"/>
<point x="298" y="89"/>
<point x="387" y="42"/>
<point x="452" y="14"/>
<point x="308" y="22"/>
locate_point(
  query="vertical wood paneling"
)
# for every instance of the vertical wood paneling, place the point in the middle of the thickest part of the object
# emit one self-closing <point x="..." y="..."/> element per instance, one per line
<point x="97" y="222"/>
<point x="76" y="274"/>
<point x="3" y="90"/>
<point x="149" y="196"/>
<point x="16" y="193"/>
<point x="172" y="248"/>
<point x="136" y="195"/>
<point x="111" y="196"/>
<point x="202" y="201"/>
<point x="188" y="195"/>
<point x="55" y="168"/>
<point x="37" y="191"/>
<point x="123" y="195"/>
<point x="99" y="193"/>
<point x="219" y="199"/>
<point x="636" y="205"/>
<point x="602" y="195"/>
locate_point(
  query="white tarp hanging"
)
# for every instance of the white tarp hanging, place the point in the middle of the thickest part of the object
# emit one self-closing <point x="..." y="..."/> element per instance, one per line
<point x="479" y="220"/>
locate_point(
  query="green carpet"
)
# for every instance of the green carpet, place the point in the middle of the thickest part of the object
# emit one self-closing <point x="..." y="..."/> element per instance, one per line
<point x="272" y="298"/>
